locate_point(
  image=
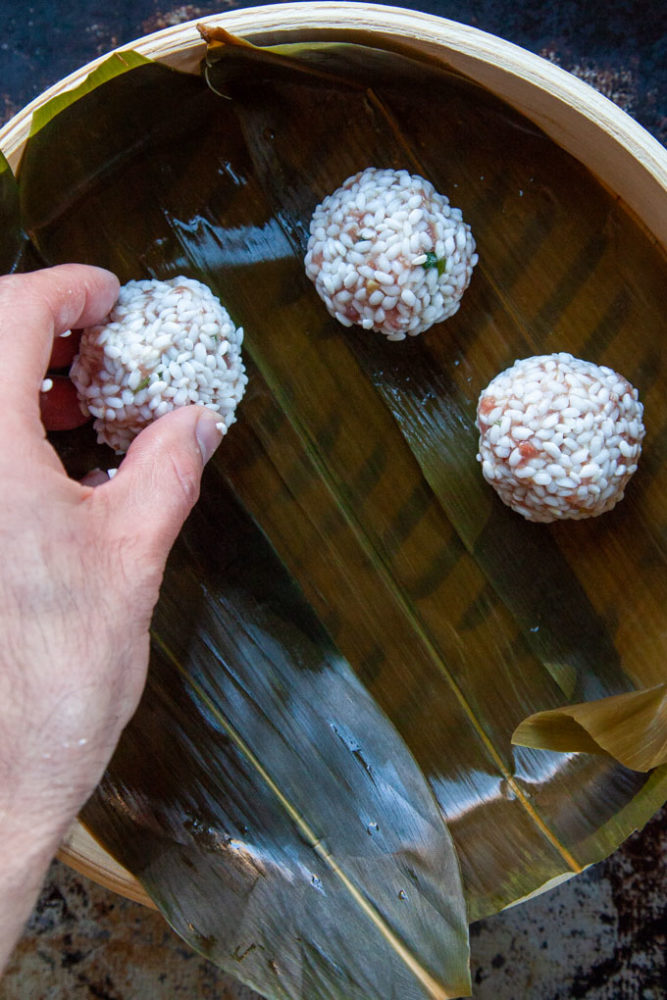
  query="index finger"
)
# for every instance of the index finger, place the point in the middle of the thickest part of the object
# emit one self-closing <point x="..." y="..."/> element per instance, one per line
<point x="35" y="308"/>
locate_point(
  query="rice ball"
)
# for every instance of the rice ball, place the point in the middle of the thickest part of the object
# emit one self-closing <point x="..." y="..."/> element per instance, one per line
<point x="559" y="437"/>
<point x="388" y="253"/>
<point x="164" y="344"/>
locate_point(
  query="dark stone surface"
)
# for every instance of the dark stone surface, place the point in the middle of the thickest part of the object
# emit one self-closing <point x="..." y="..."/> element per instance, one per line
<point x="598" y="937"/>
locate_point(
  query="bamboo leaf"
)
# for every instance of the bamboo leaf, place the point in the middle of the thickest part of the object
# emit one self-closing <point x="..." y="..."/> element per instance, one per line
<point x="631" y="727"/>
<point x="334" y="873"/>
<point x="113" y="66"/>
<point x="14" y="238"/>
<point x="229" y="59"/>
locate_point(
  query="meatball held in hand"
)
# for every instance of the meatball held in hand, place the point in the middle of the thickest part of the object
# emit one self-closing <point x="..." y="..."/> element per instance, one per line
<point x="165" y="344"/>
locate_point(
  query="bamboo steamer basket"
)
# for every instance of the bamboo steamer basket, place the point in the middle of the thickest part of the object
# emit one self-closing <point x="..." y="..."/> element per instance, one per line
<point x="622" y="154"/>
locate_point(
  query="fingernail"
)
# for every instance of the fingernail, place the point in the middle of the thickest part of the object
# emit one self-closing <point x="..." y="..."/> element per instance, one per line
<point x="209" y="435"/>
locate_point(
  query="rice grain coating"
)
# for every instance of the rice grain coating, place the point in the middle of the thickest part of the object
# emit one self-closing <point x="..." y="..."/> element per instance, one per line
<point x="388" y="253"/>
<point x="559" y="437"/>
<point x="165" y="344"/>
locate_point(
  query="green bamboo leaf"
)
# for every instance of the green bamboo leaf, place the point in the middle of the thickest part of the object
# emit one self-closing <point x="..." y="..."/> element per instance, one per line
<point x="14" y="238"/>
<point x="356" y="460"/>
<point x="113" y="66"/>
<point x="631" y="727"/>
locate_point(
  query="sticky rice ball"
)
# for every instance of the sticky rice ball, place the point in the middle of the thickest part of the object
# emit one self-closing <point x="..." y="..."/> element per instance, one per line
<point x="164" y="344"/>
<point x="559" y="437"/>
<point x="388" y="253"/>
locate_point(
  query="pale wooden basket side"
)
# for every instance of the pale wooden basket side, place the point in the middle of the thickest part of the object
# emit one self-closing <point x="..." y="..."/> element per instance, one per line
<point x="82" y="852"/>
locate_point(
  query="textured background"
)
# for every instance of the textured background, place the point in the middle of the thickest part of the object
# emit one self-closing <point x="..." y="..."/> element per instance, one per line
<point x="598" y="937"/>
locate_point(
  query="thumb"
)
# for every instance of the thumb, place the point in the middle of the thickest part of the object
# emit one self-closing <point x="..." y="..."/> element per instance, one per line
<point x="158" y="481"/>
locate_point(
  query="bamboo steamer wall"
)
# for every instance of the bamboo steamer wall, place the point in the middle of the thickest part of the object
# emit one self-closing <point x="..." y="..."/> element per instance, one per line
<point x="631" y="164"/>
<point x="619" y="151"/>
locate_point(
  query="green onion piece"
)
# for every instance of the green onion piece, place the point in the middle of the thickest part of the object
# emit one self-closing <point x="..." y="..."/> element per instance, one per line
<point x="433" y="261"/>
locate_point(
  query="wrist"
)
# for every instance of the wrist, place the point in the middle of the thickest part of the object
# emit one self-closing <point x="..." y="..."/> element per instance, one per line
<point x="38" y="802"/>
<point x="26" y="855"/>
<point x="44" y="797"/>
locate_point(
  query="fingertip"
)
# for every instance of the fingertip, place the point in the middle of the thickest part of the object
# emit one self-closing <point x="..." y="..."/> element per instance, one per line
<point x="209" y="431"/>
<point x="34" y="309"/>
<point x="79" y="294"/>
<point x="159" y="479"/>
<point x="193" y="430"/>
<point x="65" y="295"/>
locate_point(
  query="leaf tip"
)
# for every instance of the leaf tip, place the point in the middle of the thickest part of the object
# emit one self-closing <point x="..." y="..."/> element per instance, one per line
<point x="214" y="35"/>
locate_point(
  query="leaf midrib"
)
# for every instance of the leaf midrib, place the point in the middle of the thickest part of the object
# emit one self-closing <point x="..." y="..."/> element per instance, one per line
<point x="434" y="989"/>
<point x="373" y="552"/>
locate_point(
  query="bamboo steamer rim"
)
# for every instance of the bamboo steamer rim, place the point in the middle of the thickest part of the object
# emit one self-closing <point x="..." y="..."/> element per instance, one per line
<point x="623" y="155"/>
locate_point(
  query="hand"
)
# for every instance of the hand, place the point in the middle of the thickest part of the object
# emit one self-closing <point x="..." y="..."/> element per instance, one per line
<point x="80" y="571"/>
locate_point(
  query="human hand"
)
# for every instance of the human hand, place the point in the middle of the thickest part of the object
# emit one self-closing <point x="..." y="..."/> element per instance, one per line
<point x="80" y="572"/>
